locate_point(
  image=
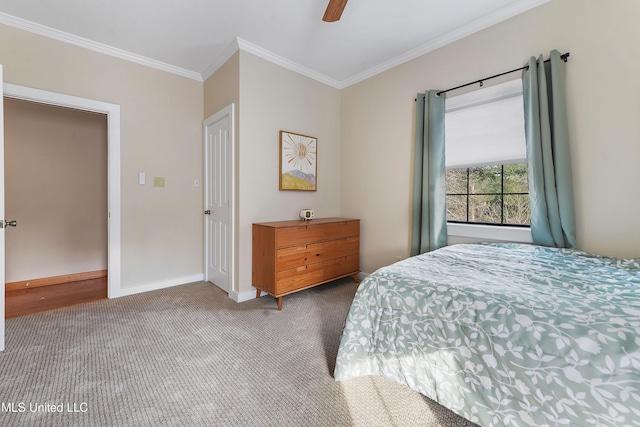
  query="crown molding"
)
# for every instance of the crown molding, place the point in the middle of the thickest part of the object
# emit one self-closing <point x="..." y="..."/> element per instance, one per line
<point x="221" y="59"/>
<point x="238" y="43"/>
<point x="286" y="63"/>
<point x="486" y="21"/>
<point x="62" y="36"/>
<point x="246" y="46"/>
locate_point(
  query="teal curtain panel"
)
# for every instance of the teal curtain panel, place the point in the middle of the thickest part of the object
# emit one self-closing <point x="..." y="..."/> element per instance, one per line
<point x="548" y="157"/>
<point x="429" y="222"/>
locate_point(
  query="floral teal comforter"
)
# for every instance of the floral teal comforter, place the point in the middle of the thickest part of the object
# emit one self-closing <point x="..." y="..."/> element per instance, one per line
<point x="504" y="334"/>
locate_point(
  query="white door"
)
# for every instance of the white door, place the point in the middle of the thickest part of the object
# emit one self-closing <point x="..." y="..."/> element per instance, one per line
<point x="218" y="133"/>
<point x="1" y="215"/>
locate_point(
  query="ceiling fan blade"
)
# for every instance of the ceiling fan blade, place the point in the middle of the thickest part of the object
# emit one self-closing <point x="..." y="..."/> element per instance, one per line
<point x="334" y="10"/>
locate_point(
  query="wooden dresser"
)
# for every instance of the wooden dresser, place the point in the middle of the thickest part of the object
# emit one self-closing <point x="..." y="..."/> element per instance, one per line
<point x="289" y="256"/>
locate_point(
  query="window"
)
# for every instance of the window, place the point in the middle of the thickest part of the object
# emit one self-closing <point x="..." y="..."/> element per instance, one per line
<point x="486" y="178"/>
<point x="496" y="194"/>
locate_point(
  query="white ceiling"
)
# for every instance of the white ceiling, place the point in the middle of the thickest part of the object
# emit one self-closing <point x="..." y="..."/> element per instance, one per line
<point x="193" y="37"/>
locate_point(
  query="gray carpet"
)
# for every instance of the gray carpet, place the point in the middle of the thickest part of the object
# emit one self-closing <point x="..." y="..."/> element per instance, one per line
<point x="189" y="355"/>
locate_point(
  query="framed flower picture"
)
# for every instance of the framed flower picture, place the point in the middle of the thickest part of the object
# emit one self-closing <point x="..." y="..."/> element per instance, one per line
<point x="298" y="162"/>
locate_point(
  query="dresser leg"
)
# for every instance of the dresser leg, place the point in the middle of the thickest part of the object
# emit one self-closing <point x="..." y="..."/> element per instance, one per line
<point x="258" y="292"/>
<point x="355" y="278"/>
<point x="279" y="303"/>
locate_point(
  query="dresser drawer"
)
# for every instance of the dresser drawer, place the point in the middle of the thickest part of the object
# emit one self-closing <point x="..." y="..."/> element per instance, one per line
<point x="342" y="247"/>
<point x="342" y="229"/>
<point x="289" y="236"/>
<point x="340" y="266"/>
<point x="296" y="278"/>
<point x="298" y="256"/>
<point x="290" y="256"/>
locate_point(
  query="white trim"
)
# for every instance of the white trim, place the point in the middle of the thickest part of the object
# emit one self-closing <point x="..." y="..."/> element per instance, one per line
<point x="2" y="218"/>
<point x="245" y="46"/>
<point x="62" y="36"/>
<point x="221" y="59"/>
<point x="490" y="232"/>
<point x="113" y="140"/>
<point x="286" y="63"/>
<point x="132" y="290"/>
<point x="229" y="111"/>
<point x="486" y="21"/>
<point x="455" y="35"/>
<point x="245" y="296"/>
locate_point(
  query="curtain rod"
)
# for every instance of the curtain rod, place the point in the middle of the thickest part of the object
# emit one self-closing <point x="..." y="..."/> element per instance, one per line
<point x="564" y="57"/>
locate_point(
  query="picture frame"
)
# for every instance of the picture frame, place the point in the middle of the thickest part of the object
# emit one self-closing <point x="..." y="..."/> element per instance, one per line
<point x="298" y="162"/>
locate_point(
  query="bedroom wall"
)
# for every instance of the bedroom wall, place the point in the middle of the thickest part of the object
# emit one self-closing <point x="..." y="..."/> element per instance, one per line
<point x="223" y="87"/>
<point x="603" y="102"/>
<point x="161" y="134"/>
<point x="273" y="98"/>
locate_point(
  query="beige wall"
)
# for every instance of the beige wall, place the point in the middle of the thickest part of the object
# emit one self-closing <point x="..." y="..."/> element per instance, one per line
<point x="161" y="134"/>
<point x="604" y="110"/>
<point x="270" y="98"/>
<point x="273" y="98"/>
<point x="223" y="87"/>
<point x="56" y="188"/>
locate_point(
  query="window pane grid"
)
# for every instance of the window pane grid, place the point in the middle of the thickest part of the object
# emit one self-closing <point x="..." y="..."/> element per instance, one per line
<point x="506" y="202"/>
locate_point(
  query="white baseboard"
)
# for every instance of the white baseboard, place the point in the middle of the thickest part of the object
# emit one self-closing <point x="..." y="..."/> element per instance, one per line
<point x="132" y="290"/>
<point x="237" y="297"/>
<point x="245" y="296"/>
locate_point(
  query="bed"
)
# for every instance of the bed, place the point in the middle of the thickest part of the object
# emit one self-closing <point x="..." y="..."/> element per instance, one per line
<point x="504" y="334"/>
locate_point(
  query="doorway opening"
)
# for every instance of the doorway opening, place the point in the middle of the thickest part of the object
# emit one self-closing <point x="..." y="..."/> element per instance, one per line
<point x="112" y="112"/>
<point x="56" y="188"/>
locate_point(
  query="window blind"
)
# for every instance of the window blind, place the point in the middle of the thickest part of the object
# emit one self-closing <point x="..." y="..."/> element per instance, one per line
<point x="485" y="127"/>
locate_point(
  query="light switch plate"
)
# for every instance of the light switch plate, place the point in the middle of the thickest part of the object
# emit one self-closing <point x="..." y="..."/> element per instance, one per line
<point x="142" y="179"/>
<point x="158" y="181"/>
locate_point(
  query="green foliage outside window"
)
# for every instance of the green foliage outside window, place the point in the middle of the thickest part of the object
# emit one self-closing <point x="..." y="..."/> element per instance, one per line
<point x="497" y="194"/>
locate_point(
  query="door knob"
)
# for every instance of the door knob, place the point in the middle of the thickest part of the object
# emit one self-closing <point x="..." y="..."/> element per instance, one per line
<point x="6" y="223"/>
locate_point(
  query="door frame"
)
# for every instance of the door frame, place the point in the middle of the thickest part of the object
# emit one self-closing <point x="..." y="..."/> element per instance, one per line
<point x="2" y="218"/>
<point x="229" y="111"/>
<point x="112" y="112"/>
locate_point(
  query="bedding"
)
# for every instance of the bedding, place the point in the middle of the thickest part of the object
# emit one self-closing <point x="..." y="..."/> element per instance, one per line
<point x="504" y="334"/>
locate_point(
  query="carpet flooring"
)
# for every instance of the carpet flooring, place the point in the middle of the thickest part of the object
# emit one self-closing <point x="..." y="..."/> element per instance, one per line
<point x="189" y="355"/>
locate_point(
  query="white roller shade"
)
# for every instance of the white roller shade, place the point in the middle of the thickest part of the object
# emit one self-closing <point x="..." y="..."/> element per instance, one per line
<point x="485" y="127"/>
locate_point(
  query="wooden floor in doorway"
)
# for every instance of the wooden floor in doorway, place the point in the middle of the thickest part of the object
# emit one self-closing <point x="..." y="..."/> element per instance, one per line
<point x="33" y="296"/>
